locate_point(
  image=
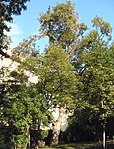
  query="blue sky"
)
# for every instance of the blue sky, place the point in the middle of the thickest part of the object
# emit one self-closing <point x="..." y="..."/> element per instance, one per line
<point x="27" y="24"/>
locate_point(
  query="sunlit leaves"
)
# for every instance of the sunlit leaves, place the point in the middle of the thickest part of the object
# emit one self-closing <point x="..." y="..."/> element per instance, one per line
<point x="98" y="81"/>
<point x="102" y="27"/>
<point x="57" y="76"/>
<point x="61" y="25"/>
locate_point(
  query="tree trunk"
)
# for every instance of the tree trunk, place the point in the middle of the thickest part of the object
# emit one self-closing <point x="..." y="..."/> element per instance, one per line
<point x="34" y="136"/>
<point x="27" y="134"/>
<point x="57" y="127"/>
<point x="104" y="137"/>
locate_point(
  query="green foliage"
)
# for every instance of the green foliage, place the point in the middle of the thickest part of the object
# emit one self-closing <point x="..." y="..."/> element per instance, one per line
<point x="97" y="76"/>
<point x="102" y="26"/>
<point x="20" y="141"/>
<point x="44" y="133"/>
<point x="60" y="24"/>
<point x="8" y="8"/>
<point x="99" y="37"/>
<point x="22" y="106"/>
<point x="57" y="78"/>
<point x="82" y="80"/>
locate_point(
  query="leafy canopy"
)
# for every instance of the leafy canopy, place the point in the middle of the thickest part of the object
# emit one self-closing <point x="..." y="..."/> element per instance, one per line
<point x="8" y="8"/>
<point x="61" y="25"/>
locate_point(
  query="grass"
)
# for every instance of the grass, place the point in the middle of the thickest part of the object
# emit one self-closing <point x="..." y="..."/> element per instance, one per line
<point x="80" y="145"/>
<point x="70" y="146"/>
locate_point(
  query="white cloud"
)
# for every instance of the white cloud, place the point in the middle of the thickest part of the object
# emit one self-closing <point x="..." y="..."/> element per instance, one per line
<point x="15" y="34"/>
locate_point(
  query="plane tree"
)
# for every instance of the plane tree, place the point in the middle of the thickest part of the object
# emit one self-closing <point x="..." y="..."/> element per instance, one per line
<point x="57" y="80"/>
<point x="61" y="25"/>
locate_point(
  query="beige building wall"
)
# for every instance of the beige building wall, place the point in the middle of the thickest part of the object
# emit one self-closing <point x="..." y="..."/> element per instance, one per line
<point x="7" y="65"/>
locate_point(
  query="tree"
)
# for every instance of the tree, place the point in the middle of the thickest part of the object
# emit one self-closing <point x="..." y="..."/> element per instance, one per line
<point x="56" y="77"/>
<point x="8" y="8"/>
<point x="23" y="111"/>
<point x="61" y="25"/>
<point x="82" y="128"/>
<point x="95" y="66"/>
<point x="22" y="106"/>
<point x="57" y="83"/>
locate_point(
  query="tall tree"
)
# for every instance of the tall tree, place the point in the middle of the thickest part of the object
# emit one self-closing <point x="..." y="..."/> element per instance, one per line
<point x="57" y="79"/>
<point x="94" y="63"/>
<point x="61" y="25"/>
<point x="58" y="83"/>
<point x="98" y="37"/>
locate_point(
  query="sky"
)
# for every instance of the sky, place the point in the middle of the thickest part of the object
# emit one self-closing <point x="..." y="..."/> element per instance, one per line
<point x="27" y="23"/>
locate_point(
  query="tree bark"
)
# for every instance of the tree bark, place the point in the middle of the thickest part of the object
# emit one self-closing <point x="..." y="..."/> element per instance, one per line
<point x="57" y="127"/>
<point x="27" y="134"/>
<point x="104" y="137"/>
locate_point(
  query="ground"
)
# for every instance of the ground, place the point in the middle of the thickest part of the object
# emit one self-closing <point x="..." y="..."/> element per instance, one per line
<point x="110" y="145"/>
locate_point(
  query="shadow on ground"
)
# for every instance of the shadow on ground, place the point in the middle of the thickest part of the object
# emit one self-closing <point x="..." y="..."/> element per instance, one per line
<point x="73" y="146"/>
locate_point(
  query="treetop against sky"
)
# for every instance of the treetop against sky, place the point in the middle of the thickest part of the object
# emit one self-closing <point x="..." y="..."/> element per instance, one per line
<point x="27" y="24"/>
